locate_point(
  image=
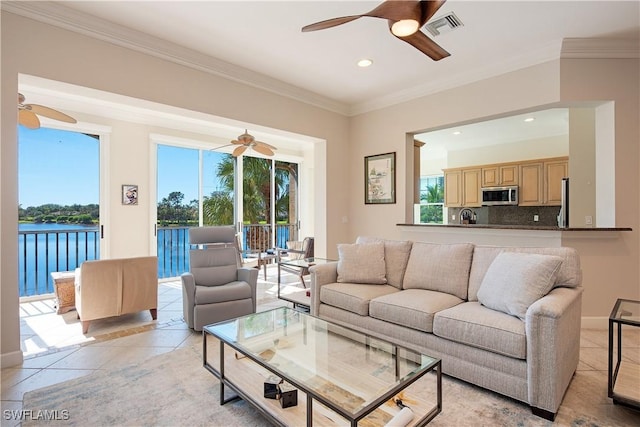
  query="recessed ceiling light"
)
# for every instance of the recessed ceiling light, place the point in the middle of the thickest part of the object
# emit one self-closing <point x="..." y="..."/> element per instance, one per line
<point x="457" y="132"/>
<point x="364" y="63"/>
<point x="529" y="119"/>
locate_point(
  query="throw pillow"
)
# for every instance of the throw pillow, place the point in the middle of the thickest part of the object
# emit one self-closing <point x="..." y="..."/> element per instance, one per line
<point x="396" y="255"/>
<point x="362" y="263"/>
<point x="515" y="280"/>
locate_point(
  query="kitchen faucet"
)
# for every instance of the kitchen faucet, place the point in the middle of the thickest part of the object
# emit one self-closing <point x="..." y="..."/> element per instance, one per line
<point x="467" y="216"/>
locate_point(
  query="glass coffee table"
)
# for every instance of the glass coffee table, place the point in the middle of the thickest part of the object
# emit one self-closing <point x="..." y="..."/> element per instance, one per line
<point x="342" y="377"/>
<point x="624" y="376"/>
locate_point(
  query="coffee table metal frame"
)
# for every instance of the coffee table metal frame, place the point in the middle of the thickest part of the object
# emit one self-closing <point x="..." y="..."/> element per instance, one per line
<point x="621" y="314"/>
<point x="435" y="366"/>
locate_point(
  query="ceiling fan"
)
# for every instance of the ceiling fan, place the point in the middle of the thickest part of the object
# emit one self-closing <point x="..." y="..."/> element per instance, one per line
<point x="28" y="114"/>
<point x="245" y="141"/>
<point x="405" y="20"/>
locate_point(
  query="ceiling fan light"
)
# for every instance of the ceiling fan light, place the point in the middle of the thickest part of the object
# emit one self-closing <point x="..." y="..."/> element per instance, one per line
<point x="405" y="27"/>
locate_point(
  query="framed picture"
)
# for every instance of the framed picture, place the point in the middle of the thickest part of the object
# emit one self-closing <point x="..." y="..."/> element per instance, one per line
<point x="380" y="179"/>
<point x="129" y="194"/>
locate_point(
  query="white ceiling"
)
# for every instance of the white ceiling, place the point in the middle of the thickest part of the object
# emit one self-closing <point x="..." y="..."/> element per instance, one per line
<point x="261" y="41"/>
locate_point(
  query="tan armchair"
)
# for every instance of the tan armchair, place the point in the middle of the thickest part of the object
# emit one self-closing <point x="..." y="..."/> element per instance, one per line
<point x="112" y="287"/>
<point x="216" y="288"/>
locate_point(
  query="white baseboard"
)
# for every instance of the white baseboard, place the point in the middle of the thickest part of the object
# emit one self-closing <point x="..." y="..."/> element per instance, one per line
<point x="11" y="359"/>
<point x="595" y="323"/>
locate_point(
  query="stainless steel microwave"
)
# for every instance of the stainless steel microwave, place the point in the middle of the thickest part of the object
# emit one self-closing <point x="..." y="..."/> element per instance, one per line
<point x="495" y="196"/>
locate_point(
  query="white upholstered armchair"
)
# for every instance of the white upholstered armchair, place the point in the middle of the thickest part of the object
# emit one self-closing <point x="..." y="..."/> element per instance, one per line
<point x="216" y="288"/>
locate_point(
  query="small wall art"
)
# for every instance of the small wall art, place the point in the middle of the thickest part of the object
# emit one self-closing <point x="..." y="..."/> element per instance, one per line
<point x="129" y="194"/>
<point x="380" y="179"/>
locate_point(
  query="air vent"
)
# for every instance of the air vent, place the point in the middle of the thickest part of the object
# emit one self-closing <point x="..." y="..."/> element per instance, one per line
<point x="443" y="25"/>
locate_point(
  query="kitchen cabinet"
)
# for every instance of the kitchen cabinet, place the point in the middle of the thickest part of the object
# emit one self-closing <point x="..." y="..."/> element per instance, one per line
<point x="453" y="188"/>
<point x="462" y="188"/>
<point x="500" y="175"/>
<point x="554" y="171"/>
<point x="471" y="188"/>
<point x="540" y="182"/>
<point x="531" y="182"/>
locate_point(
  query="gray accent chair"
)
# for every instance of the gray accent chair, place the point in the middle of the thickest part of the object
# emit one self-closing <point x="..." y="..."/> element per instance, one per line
<point x="216" y="288"/>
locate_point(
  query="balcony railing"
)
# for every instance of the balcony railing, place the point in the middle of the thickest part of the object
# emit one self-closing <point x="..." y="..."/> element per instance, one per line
<point x="42" y="252"/>
<point x="173" y="244"/>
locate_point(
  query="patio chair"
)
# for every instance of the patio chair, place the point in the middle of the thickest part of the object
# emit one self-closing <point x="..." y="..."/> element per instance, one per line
<point x="216" y="288"/>
<point x="297" y="250"/>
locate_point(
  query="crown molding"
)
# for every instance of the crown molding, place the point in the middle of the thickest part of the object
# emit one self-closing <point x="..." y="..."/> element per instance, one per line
<point x="530" y="58"/>
<point x="69" y="19"/>
<point x="600" y="48"/>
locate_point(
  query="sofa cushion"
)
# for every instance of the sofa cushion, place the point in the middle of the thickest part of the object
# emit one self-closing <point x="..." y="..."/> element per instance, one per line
<point x="514" y="281"/>
<point x="362" y="263"/>
<point x="353" y="297"/>
<point x="569" y="275"/>
<point x="233" y="291"/>
<point x="413" y="308"/>
<point x="439" y="267"/>
<point x="472" y="324"/>
<point x="396" y="256"/>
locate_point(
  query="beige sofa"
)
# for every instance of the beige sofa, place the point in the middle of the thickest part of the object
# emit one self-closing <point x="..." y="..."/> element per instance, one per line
<point x="506" y="319"/>
<point x="113" y="287"/>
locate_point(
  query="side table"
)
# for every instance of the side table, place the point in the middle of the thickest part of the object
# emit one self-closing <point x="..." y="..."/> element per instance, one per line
<point x="64" y="287"/>
<point x="625" y="376"/>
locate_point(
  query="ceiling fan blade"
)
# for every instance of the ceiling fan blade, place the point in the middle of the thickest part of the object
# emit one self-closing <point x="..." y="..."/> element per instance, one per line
<point x="222" y="146"/>
<point x="328" y="23"/>
<point x="429" y="8"/>
<point x="397" y="10"/>
<point x="236" y="142"/>
<point x="265" y="144"/>
<point x="239" y="150"/>
<point x="263" y="150"/>
<point x="28" y="119"/>
<point x="424" y="44"/>
<point x="51" y="113"/>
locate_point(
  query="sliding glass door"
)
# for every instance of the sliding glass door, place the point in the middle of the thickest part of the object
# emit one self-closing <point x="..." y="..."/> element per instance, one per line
<point x="198" y="187"/>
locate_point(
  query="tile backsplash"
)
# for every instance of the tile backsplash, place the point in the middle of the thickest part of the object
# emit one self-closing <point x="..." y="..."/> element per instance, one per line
<point x="512" y="215"/>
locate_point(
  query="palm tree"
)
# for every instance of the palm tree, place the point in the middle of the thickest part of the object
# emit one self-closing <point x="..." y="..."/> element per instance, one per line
<point x="432" y="213"/>
<point x="218" y="207"/>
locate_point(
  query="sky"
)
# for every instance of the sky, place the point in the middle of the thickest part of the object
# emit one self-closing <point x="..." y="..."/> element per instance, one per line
<point x="62" y="167"/>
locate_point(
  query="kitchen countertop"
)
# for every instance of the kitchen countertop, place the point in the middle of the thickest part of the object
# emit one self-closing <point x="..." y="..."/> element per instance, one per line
<point x="518" y="227"/>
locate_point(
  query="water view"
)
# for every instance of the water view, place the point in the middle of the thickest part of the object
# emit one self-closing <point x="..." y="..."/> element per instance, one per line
<point x="45" y="248"/>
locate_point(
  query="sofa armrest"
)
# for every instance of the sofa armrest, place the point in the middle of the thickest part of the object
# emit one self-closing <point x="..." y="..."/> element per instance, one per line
<point x="188" y="297"/>
<point x="250" y="275"/>
<point x="553" y="346"/>
<point x="321" y="274"/>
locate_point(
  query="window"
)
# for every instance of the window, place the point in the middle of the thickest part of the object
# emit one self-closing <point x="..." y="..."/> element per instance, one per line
<point x="431" y="199"/>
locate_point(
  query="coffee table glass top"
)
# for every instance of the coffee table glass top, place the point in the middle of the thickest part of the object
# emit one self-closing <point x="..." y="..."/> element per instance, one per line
<point x="338" y="364"/>
<point x="626" y="311"/>
<point x="305" y="262"/>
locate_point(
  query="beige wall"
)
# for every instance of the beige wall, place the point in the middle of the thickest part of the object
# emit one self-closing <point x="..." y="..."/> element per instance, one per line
<point x="610" y="260"/>
<point x="37" y="49"/>
<point x="385" y="130"/>
<point x="610" y="265"/>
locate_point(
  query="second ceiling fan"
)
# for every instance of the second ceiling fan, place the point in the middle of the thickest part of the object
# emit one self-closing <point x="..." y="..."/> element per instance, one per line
<point x="28" y="114"/>
<point x="405" y="20"/>
<point x="246" y="141"/>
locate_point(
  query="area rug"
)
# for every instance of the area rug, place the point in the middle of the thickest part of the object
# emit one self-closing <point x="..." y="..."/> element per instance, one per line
<point x="174" y="389"/>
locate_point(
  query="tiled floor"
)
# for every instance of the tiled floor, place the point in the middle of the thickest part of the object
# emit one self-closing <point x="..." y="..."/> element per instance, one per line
<point x="56" y="350"/>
